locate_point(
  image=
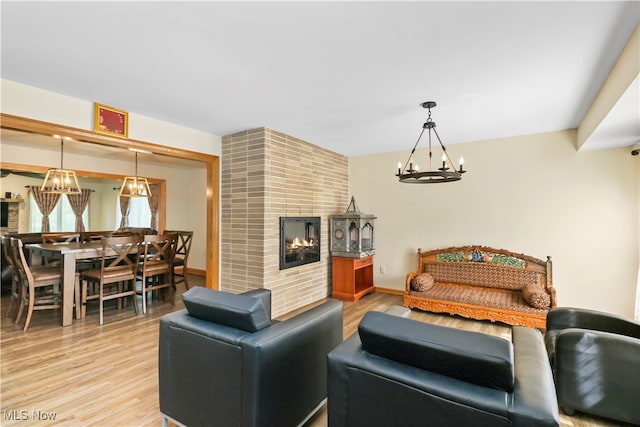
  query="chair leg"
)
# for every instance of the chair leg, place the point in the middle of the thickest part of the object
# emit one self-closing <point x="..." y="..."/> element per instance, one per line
<point x="143" y="284"/>
<point x="15" y="295"/>
<point x="101" y="300"/>
<point x="14" y="300"/>
<point x="134" y="296"/>
<point x="32" y="300"/>
<point x="172" y="293"/>
<point x="20" y="309"/>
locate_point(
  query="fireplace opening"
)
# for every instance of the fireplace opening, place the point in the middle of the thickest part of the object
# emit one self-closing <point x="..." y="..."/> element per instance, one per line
<point x="299" y="241"/>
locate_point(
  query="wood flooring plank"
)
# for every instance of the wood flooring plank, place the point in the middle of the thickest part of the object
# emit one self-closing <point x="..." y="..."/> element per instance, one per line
<point x="91" y="375"/>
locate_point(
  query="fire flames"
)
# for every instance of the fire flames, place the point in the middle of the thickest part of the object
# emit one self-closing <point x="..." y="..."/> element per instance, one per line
<point x="297" y="243"/>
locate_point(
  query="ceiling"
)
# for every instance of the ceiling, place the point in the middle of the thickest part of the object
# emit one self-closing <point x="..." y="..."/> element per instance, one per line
<point x="347" y="76"/>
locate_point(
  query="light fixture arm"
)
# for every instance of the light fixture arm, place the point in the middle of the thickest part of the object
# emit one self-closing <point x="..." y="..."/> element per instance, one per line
<point x="413" y="150"/>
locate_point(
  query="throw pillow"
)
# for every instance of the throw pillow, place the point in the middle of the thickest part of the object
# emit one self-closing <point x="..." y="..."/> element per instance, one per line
<point x="535" y="296"/>
<point x="422" y="282"/>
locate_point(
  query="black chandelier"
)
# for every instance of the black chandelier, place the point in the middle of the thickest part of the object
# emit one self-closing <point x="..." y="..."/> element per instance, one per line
<point x="410" y="173"/>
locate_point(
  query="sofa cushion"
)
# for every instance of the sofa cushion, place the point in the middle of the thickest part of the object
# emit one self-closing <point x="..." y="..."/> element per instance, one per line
<point x="535" y="296"/>
<point x="237" y="311"/>
<point x="422" y="282"/>
<point x="465" y="355"/>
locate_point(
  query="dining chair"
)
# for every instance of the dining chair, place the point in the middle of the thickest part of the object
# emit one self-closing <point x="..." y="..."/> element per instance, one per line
<point x="116" y="277"/>
<point x="181" y="255"/>
<point x="40" y="285"/>
<point x="15" y="277"/>
<point x="156" y="268"/>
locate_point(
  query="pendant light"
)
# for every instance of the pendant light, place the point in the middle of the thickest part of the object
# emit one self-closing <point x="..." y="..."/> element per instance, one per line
<point x="135" y="186"/>
<point x="60" y="181"/>
<point x="410" y="173"/>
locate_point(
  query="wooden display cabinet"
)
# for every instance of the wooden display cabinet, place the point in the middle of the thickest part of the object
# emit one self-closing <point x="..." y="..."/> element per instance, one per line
<point x="352" y="278"/>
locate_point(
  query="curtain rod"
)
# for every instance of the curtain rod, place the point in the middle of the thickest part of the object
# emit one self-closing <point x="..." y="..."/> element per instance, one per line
<point x="29" y="186"/>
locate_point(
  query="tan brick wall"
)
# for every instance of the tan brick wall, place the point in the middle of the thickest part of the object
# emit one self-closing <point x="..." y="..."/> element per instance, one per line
<point x="13" y="223"/>
<point x="265" y="175"/>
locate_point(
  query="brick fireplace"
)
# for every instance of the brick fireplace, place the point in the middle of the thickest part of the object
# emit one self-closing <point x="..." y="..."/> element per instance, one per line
<point x="267" y="175"/>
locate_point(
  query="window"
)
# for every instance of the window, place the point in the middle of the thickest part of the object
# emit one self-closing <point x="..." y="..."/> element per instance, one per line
<point x="61" y="217"/>
<point x="139" y="212"/>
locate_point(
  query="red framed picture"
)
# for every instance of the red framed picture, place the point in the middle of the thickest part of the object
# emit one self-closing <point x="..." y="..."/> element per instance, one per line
<point x="110" y="121"/>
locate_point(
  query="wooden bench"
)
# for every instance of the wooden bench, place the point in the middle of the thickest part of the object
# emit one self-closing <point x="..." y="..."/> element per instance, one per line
<point x="483" y="283"/>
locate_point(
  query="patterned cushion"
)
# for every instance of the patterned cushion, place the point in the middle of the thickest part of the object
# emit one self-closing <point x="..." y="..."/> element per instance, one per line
<point x="422" y="282"/>
<point x="535" y="296"/>
<point x="482" y="274"/>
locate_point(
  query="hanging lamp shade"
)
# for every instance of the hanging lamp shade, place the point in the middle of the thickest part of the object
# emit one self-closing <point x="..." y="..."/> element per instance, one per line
<point x="135" y="186"/>
<point x="61" y="181"/>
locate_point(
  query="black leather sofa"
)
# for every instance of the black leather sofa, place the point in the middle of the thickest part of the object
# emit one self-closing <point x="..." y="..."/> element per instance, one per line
<point x="224" y="362"/>
<point x="400" y="372"/>
<point x="595" y="358"/>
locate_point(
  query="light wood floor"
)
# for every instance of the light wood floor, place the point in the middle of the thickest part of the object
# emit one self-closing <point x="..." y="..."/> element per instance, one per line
<point x="86" y="374"/>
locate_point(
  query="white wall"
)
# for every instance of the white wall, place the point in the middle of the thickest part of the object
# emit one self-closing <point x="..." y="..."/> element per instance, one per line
<point x="530" y="194"/>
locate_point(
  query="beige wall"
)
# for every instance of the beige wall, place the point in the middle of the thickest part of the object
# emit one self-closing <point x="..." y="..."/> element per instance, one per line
<point x="531" y="194"/>
<point x="28" y="101"/>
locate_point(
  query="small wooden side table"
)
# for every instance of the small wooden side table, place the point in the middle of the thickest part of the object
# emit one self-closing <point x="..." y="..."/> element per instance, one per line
<point x="352" y="277"/>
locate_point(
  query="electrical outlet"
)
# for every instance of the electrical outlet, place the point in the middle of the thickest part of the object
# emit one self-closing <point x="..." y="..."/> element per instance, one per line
<point x="383" y="269"/>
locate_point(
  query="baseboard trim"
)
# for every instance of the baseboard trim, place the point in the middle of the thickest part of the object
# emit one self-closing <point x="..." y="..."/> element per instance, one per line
<point x="196" y="272"/>
<point x="388" y="291"/>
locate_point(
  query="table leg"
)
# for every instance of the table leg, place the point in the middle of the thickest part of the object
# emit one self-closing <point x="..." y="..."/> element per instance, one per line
<point x="69" y="262"/>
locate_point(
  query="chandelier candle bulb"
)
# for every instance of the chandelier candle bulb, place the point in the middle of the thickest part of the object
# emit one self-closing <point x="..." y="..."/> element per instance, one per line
<point x="461" y="163"/>
<point x="399" y="168"/>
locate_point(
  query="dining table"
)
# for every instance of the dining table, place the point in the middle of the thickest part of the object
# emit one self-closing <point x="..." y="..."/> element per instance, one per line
<point x="69" y="253"/>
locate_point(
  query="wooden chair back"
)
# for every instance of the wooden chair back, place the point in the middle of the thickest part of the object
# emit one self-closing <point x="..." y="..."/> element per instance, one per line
<point x="183" y="243"/>
<point x="20" y="258"/>
<point x="181" y="257"/>
<point x="156" y="271"/>
<point x="60" y="237"/>
<point x="126" y="252"/>
<point x="88" y="236"/>
<point x="9" y="256"/>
